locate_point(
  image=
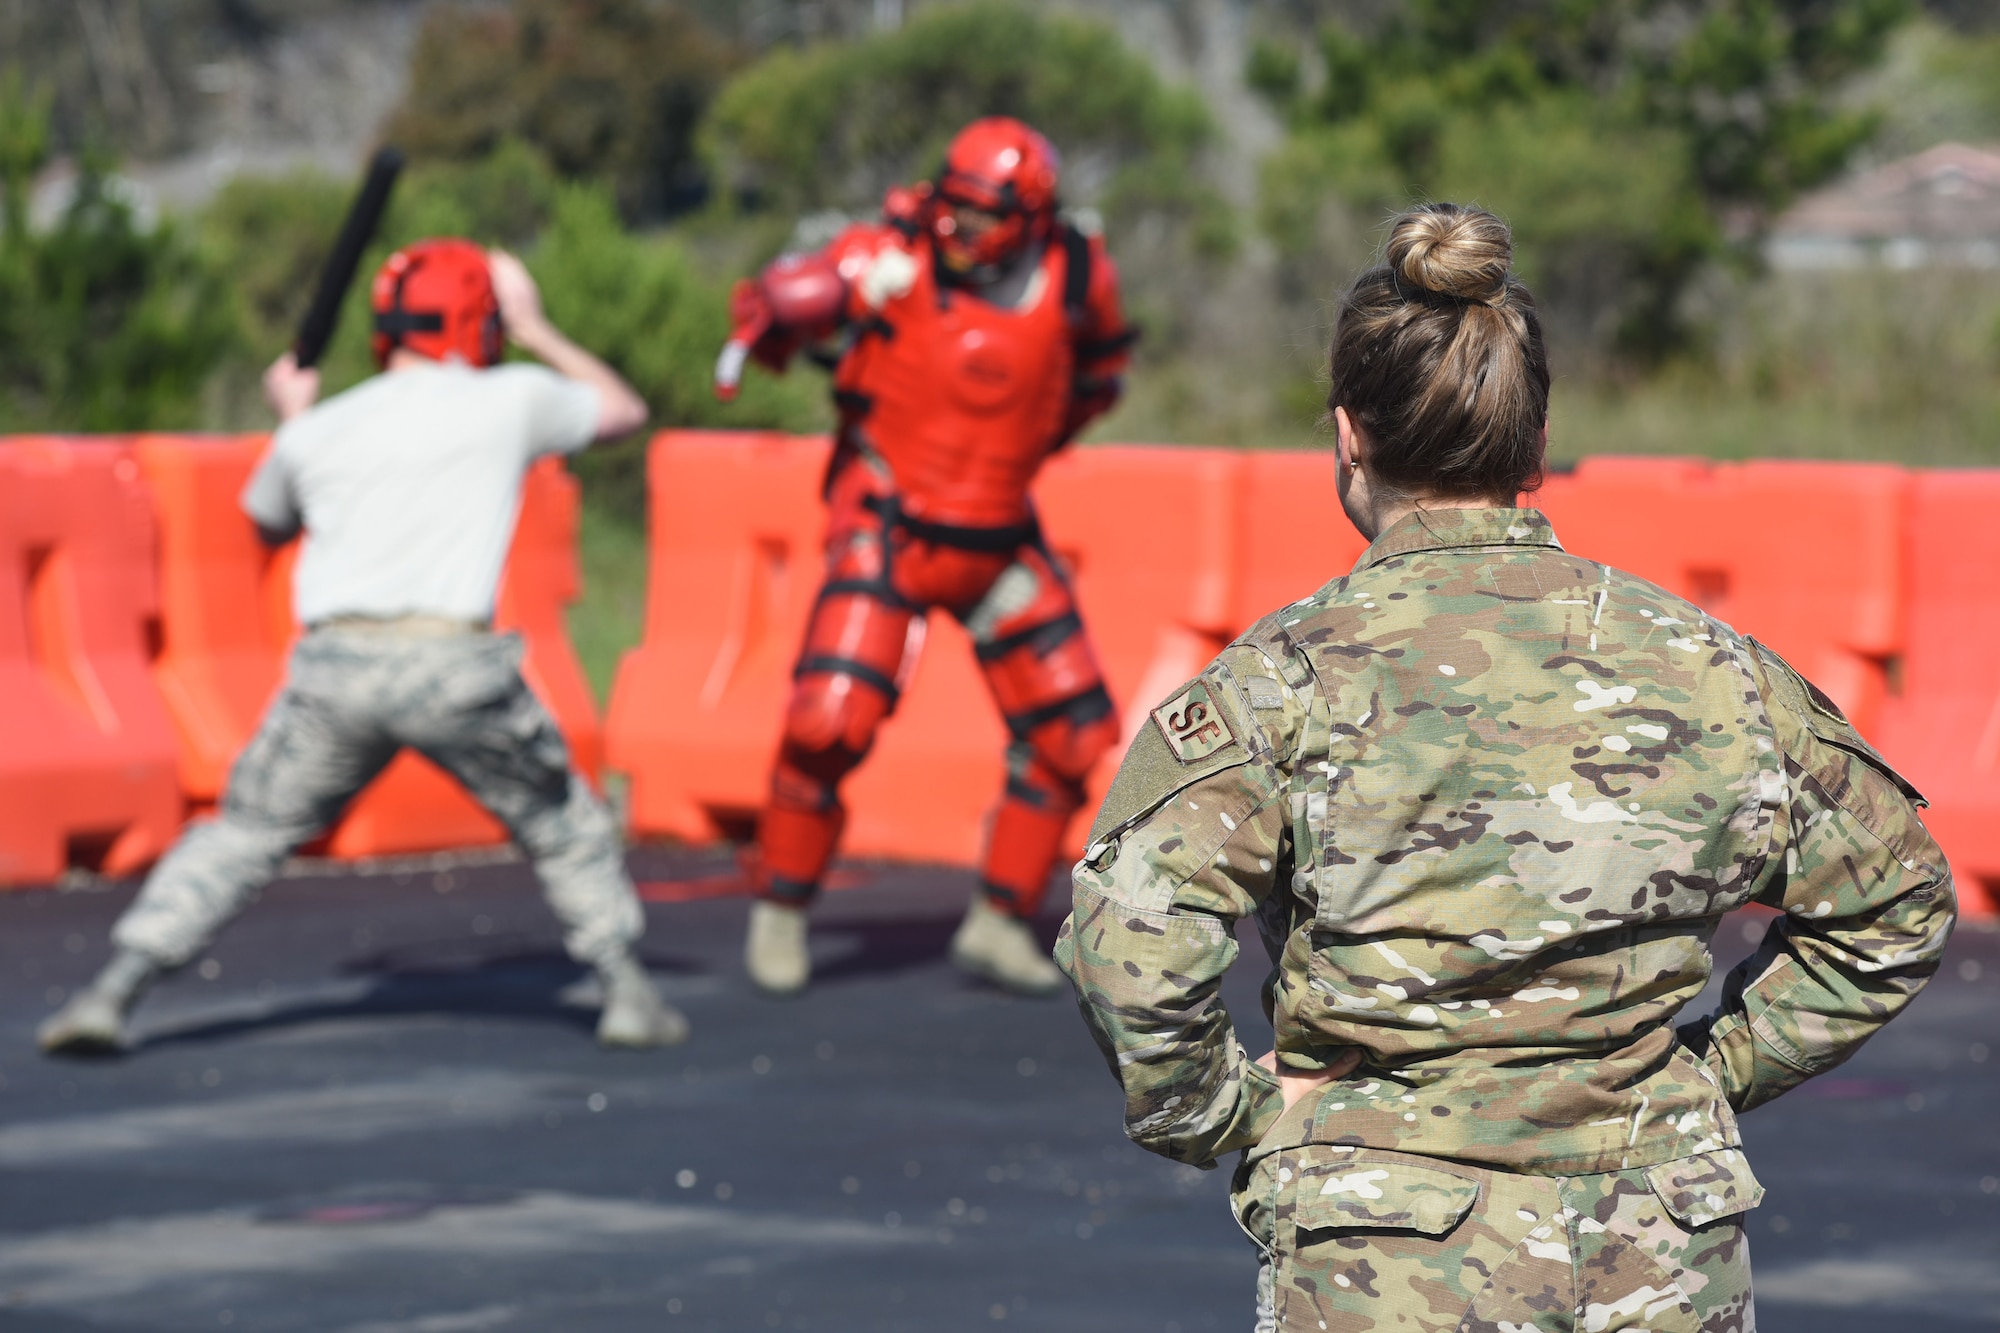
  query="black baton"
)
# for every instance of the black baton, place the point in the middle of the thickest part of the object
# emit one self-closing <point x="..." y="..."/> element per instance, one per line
<point x="363" y="217"/>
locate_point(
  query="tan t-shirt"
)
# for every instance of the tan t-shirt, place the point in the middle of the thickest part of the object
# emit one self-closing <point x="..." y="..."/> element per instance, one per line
<point x="408" y="485"/>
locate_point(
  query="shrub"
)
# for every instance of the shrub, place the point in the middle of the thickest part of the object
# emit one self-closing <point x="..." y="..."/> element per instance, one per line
<point x="832" y="126"/>
<point x="1627" y="141"/>
<point x="105" y="324"/>
<point x="607" y="90"/>
<point x="642" y="301"/>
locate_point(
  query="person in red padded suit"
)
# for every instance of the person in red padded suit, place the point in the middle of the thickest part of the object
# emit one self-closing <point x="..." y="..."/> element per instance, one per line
<point x="982" y="331"/>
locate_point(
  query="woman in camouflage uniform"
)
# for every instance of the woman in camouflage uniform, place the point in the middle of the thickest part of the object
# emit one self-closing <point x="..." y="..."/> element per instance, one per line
<point x="1488" y="801"/>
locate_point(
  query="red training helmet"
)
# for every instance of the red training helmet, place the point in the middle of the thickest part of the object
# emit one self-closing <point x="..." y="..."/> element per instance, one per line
<point x="436" y="298"/>
<point x="1000" y="166"/>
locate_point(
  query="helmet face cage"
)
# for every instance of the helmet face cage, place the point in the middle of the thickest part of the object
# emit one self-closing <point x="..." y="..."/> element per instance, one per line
<point x="436" y="299"/>
<point x="1001" y="166"/>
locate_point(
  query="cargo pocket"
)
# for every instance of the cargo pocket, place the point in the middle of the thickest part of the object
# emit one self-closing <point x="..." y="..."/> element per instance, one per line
<point x="1708" y="1186"/>
<point x="1345" y="1190"/>
<point x="1358" y="1230"/>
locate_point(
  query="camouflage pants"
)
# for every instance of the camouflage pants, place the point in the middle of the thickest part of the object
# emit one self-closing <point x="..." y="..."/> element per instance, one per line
<point x="351" y="700"/>
<point x="1362" y="1239"/>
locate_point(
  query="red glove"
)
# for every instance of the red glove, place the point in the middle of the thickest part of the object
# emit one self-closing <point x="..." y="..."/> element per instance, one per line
<point x="798" y="299"/>
<point x="749" y="321"/>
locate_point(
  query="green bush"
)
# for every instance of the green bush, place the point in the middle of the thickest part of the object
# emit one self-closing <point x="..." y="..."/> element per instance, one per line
<point x="266" y="238"/>
<point x="1625" y="148"/>
<point x="832" y="126"/>
<point x="642" y="301"/>
<point x="646" y="305"/>
<point x="607" y="90"/>
<point x="105" y="325"/>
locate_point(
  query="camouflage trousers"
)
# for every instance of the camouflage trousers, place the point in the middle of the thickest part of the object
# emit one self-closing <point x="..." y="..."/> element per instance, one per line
<point x="1363" y="1239"/>
<point x="351" y="700"/>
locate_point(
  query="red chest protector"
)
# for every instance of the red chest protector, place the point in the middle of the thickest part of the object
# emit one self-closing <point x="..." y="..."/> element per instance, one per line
<point x="963" y="399"/>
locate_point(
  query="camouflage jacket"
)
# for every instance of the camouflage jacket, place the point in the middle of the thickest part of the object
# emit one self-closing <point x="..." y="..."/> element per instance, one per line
<point x="1488" y="801"/>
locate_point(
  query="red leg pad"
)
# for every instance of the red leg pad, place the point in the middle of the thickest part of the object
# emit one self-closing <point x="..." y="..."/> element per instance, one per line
<point x="1068" y="749"/>
<point x="1025" y="841"/>
<point x="795" y="847"/>
<point x="1044" y="790"/>
<point x="830" y="725"/>
<point x="1038" y="654"/>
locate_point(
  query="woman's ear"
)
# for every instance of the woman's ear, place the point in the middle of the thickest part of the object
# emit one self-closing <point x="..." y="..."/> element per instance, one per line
<point x="1349" y="441"/>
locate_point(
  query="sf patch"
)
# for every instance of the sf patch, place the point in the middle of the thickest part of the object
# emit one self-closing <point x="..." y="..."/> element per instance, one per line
<point x="1194" y="727"/>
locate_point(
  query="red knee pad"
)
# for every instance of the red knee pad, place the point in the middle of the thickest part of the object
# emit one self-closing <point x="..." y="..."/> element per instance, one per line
<point x="832" y="715"/>
<point x="1068" y="749"/>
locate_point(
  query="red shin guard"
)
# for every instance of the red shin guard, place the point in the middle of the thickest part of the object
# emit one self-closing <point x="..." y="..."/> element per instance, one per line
<point x="795" y="846"/>
<point x="1022" y="850"/>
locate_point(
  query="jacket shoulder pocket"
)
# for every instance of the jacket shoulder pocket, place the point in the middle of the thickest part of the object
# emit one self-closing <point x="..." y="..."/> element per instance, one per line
<point x="1153" y="770"/>
<point x="1698" y="1190"/>
<point x="1341" y="1191"/>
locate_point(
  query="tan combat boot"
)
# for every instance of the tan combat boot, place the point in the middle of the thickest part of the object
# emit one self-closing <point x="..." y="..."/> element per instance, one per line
<point x="634" y="1014"/>
<point x="775" y="950"/>
<point x="93" y="1022"/>
<point x="1001" y="949"/>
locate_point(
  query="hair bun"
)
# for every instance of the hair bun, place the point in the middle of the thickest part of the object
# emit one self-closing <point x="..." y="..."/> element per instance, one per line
<point x="1453" y="250"/>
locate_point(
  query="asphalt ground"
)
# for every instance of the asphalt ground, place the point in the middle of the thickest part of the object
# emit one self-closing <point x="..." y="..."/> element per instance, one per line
<point x="376" y="1108"/>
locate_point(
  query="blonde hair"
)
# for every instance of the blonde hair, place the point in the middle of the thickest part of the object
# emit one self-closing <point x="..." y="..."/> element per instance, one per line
<point x="1438" y="355"/>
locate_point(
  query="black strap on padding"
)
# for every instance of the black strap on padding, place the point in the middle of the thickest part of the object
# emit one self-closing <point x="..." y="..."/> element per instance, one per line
<point x="396" y="323"/>
<point x="875" y="590"/>
<point x="986" y="540"/>
<point x="790" y="890"/>
<point x="1082" y="708"/>
<point x="1045" y="638"/>
<point x="1076" y="298"/>
<point x="1027" y="793"/>
<point x="825" y="664"/>
<point x="992" y="541"/>
<point x="1096" y="349"/>
<point x="1076" y="274"/>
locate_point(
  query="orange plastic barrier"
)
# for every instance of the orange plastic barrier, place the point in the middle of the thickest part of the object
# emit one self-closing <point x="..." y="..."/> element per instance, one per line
<point x="226" y="624"/>
<point x="87" y="760"/>
<point x="1294" y="537"/>
<point x="1809" y="557"/>
<point x="733" y="565"/>
<point x="225" y="614"/>
<point x="1943" y="728"/>
<point x="1176" y="550"/>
